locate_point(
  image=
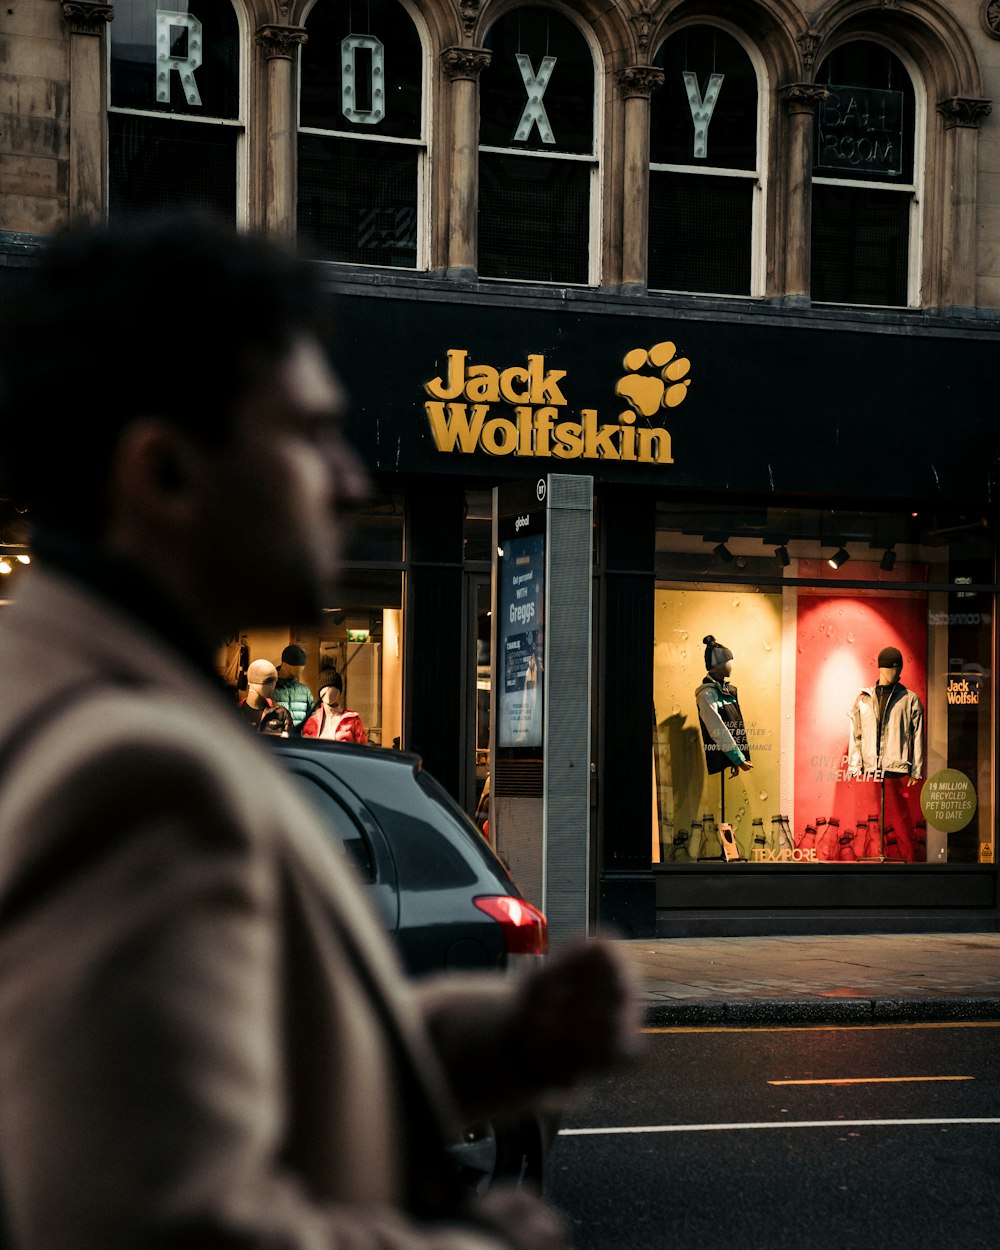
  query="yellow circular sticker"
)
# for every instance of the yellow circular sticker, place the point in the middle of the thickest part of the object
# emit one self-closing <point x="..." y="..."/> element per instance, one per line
<point x="948" y="800"/>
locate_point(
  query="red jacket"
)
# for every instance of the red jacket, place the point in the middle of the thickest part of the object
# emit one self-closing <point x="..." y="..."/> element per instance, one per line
<point x="350" y="728"/>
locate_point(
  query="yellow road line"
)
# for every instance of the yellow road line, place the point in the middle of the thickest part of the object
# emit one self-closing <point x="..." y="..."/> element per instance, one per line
<point x="870" y="1080"/>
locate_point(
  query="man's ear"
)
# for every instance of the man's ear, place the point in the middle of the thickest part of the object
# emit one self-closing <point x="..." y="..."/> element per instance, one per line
<point x="156" y="475"/>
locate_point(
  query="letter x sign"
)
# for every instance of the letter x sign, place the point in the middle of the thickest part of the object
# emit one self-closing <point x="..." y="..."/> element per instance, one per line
<point x="534" y="110"/>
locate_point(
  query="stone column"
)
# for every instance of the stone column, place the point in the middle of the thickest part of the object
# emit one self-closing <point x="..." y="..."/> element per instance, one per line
<point x="636" y="84"/>
<point x="462" y="67"/>
<point x="88" y="102"/>
<point x="280" y="46"/>
<point x="961" y="116"/>
<point x="800" y="100"/>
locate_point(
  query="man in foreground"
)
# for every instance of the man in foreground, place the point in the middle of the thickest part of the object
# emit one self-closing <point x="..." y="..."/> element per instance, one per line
<point x="205" y="1038"/>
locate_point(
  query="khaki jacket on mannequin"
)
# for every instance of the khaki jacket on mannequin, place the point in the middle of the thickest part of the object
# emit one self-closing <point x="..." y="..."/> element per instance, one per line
<point x="899" y="749"/>
<point x="198" y="951"/>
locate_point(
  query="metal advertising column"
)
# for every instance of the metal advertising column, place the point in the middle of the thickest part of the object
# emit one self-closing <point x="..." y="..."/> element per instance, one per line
<point x="540" y="733"/>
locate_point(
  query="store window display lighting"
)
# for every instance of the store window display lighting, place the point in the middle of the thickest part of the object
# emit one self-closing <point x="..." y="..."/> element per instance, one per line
<point x="817" y="709"/>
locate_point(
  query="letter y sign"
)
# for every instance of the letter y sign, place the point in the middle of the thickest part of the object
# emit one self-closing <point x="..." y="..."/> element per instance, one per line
<point x="702" y="109"/>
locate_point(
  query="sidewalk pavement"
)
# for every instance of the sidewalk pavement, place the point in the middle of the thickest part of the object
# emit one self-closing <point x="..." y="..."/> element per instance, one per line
<point x="832" y="979"/>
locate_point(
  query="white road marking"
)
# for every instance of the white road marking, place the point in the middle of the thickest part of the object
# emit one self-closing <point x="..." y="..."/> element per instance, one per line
<point x="762" y="1124"/>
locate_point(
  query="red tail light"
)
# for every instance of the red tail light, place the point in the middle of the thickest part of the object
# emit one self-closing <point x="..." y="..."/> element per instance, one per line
<point x="525" y="929"/>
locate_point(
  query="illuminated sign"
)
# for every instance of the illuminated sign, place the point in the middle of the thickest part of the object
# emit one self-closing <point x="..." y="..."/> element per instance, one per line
<point x="357" y="635"/>
<point x="963" y="688"/>
<point x="522" y="410"/>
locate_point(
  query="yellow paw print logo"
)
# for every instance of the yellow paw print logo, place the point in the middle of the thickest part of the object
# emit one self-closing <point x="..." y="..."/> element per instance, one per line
<point x="666" y="390"/>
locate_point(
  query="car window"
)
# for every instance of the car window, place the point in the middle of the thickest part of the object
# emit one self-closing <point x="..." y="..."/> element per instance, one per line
<point x="457" y="817"/>
<point x="344" y="830"/>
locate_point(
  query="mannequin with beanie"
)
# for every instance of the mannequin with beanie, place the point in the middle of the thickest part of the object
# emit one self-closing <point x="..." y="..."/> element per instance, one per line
<point x="887" y="726"/>
<point x="329" y="719"/>
<point x="722" y="729"/>
<point x="258" y="708"/>
<point x="290" y="690"/>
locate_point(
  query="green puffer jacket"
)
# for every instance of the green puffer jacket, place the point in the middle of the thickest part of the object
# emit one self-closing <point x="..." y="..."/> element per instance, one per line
<point x="296" y="696"/>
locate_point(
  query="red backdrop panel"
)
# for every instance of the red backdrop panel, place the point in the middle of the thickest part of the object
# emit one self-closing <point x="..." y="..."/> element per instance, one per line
<point x="838" y="638"/>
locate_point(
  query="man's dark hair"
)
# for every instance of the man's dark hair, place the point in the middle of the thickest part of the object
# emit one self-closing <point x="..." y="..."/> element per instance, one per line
<point x="166" y="316"/>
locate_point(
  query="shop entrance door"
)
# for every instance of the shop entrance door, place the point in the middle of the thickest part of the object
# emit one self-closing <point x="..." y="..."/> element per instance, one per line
<point x="476" y="660"/>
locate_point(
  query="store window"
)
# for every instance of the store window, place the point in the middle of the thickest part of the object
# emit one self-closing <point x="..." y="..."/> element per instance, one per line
<point x="538" y="167"/>
<point x="705" y="181"/>
<point x="360" y="634"/>
<point x="864" y="180"/>
<point x="362" y="152"/>
<point x="174" y="125"/>
<point x="859" y="688"/>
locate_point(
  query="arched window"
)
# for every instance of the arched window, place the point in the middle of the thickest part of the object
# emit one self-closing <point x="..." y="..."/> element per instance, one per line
<point x="361" y="134"/>
<point x="864" y="180"/>
<point x="537" y="154"/>
<point x="705" y="179"/>
<point x="174" y="116"/>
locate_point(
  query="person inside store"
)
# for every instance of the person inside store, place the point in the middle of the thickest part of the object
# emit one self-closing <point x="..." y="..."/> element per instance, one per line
<point x="329" y="718"/>
<point x="290" y="690"/>
<point x="206" y="1036"/>
<point x="723" y="730"/>
<point x="258" y="708"/>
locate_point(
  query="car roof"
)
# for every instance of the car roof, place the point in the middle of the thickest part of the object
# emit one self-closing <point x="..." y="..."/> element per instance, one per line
<point x="354" y="755"/>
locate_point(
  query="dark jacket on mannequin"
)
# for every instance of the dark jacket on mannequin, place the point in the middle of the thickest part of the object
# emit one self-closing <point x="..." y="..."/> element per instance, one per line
<point x="722" y="729"/>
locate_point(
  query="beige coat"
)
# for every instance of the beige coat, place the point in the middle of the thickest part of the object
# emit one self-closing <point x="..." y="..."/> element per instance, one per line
<point x="205" y="1038"/>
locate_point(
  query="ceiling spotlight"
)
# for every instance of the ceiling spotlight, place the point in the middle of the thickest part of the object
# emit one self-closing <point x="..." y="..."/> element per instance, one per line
<point x="782" y="556"/>
<point x="838" y="558"/>
<point x="888" y="559"/>
<point x="723" y="552"/>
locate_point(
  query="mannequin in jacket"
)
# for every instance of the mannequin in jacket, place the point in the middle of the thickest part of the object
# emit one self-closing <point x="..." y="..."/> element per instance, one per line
<point x="290" y="690"/>
<point x="329" y="718"/>
<point x="258" y="708"/>
<point x="887" y="726"/>
<point x="722" y="729"/>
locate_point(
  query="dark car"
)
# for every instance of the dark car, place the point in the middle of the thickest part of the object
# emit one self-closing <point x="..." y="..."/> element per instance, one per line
<point x="445" y="896"/>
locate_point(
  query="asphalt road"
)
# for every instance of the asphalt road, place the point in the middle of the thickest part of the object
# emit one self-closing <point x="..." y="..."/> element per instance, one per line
<point x="789" y="1139"/>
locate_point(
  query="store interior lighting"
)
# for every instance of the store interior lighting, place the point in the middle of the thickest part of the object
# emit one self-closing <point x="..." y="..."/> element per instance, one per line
<point x="839" y="557"/>
<point x="888" y="559"/>
<point x="10" y="560"/>
<point x="782" y="556"/>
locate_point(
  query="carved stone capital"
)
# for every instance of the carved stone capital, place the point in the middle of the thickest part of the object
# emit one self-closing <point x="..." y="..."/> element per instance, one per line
<point x="802" y="97"/>
<point x="470" y="12"/>
<point x="87" y="17"/>
<point x="639" y="80"/>
<point x="643" y="23"/>
<point x="465" y="63"/>
<point x="809" y="43"/>
<point x="962" y="111"/>
<point x="280" y="42"/>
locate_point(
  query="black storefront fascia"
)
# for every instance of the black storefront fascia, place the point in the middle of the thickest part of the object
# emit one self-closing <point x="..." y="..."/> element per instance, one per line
<point x="817" y="409"/>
